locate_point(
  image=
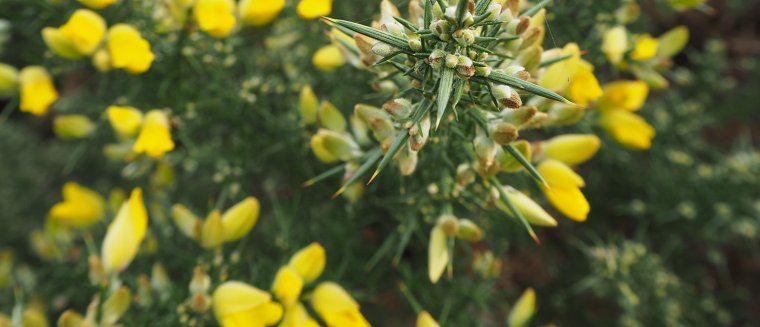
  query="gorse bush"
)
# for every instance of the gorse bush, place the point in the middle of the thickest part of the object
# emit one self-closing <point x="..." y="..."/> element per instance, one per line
<point x="357" y="163"/>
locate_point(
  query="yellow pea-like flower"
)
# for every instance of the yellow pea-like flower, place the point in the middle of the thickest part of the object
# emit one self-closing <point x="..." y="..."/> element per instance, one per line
<point x="328" y="58"/>
<point x="287" y="286"/>
<point x="97" y="4"/>
<point x="297" y="316"/>
<point x="330" y="146"/>
<point x="628" y="129"/>
<point x="645" y="48"/>
<point x="572" y="149"/>
<point x="259" y="12"/>
<point x="215" y="17"/>
<point x="72" y="126"/>
<point x="212" y="231"/>
<point x="155" y="137"/>
<point x="309" y="262"/>
<point x="85" y="29"/>
<point x="564" y="189"/>
<point x="615" y="43"/>
<point x="37" y="90"/>
<point x="424" y="319"/>
<point x="125" y="233"/>
<point x="558" y="75"/>
<point x="438" y="253"/>
<point x="81" y="206"/>
<point x="126" y="121"/>
<point x="584" y="87"/>
<point x="238" y="220"/>
<point x="317" y="144"/>
<point x="523" y="310"/>
<point x="128" y="49"/>
<point x="237" y="304"/>
<point x="8" y="80"/>
<point x="532" y="212"/>
<point x="310" y="9"/>
<point x="627" y="95"/>
<point x="336" y="307"/>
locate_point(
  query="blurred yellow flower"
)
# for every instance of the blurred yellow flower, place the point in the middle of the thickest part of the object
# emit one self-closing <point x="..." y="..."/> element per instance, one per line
<point x="237" y="304"/>
<point x="72" y="126"/>
<point x="523" y="310"/>
<point x="8" y="80"/>
<point x="187" y="222"/>
<point x="572" y="149"/>
<point x="98" y="4"/>
<point x="238" y="220"/>
<point x="125" y="233"/>
<point x="330" y="146"/>
<point x="212" y="231"/>
<point x="328" y="58"/>
<point x="259" y="12"/>
<point x="615" y="43"/>
<point x="645" y="48"/>
<point x="336" y="307"/>
<point x="628" y="129"/>
<point x="155" y="138"/>
<point x="438" y="253"/>
<point x="78" y="37"/>
<point x="37" y="90"/>
<point x="287" y="286"/>
<point x="627" y="95"/>
<point x="215" y="17"/>
<point x="672" y="42"/>
<point x="308" y="105"/>
<point x="297" y="316"/>
<point x="310" y="9"/>
<point x="81" y="206"/>
<point x="309" y="262"/>
<point x="424" y="319"/>
<point x="128" y="49"/>
<point x="564" y="189"/>
<point x="584" y="87"/>
<point x="101" y="60"/>
<point x="532" y="212"/>
<point x="126" y="121"/>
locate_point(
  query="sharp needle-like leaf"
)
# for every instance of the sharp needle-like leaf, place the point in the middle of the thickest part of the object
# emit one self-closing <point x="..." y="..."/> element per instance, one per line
<point x="373" y="33"/>
<point x="398" y="143"/>
<point x="501" y="78"/>
<point x="332" y="171"/>
<point x="526" y="164"/>
<point x="373" y="157"/>
<point x="514" y="210"/>
<point x="444" y="93"/>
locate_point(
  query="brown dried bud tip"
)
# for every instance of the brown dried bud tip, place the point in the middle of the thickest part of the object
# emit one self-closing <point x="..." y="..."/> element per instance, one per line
<point x="398" y="108"/>
<point x="522" y="25"/>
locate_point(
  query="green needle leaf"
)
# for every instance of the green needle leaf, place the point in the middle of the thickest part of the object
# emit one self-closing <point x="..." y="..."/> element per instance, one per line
<point x="555" y="60"/>
<point x="514" y="210"/>
<point x="461" y="10"/>
<point x="444" y="93"/>
<point x="533" y="10"/>
<point x="406" y="24"/>
<point x="501" y="78"/>
<point x="395" y="147"/>
<point x="373" y="33"/>
<point x="373" y="157"/>
<point x="331" y="172"/>
<point x="526" y="164"/>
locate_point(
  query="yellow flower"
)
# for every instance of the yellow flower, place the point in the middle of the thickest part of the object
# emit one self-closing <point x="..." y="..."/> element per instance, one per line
<point x="297" y="316"/>
<point x="212" y="231"/>
<point x="72" y="126"/>
<point x="532" y="212"/>
<point x="424" y="319"/>
<point x="101" y="60"/>
<point x="309" y="262"/>
<point x="558" y="75"/>
<point x="523" y="309"/>
<point x="628" y="95"/>
<point x="215" y="17"/>
<point x="310" y="9"/>
<point x="572" y="149"/>
<point x="672" y="42"/>
<point x="564" y="189"/>
<point x="328" y="58"/>
<point x="329" y="146"/>
<point x="8" y="80"/>
<point x="78" y="37"/>
<point x="259" y="12"/>
<point x="155" y="138"/>
<point x="628" y="129"/>
<point x="97" y="4"/>
<point x="37" y="90"/>
<point x="336" y="307"/>
<point x="615" y="43"/>
<point x="438" y="253"/>
<point x="237" y="304"/>
<point x="125" y="121"/>
<point x="128" y="49"/>
<point x="287" y="286"/>
<point x="645" y="48"/>
<point x="125" y="233"/>
<point x="186" y="221"/>
<point x="238" y="220"/>
<point x="584" y="87"/>
<point x="81" y="206"/>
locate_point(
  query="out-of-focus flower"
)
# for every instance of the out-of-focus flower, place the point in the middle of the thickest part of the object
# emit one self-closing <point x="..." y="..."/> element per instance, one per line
<point x="532" y="212"/>
<point x="212" y="231"/>
<point x="34" y="317"/>
<point x="628" y="128"/>
<point x="572" y="149"/>
<point x="101" y="60"/>
<point x="72" y="126"/>
<point x="125" y="233"/>
<point x="328" y="58"/>
<point x="238" y="220"/>
<point x="37" y="90"/>
<point x="297" y="316"/>
<point x="309" y="262"/>
<point x="237" y="304"/>
<point x="308" y="105"/>
<point x="329" y="146"/>
<point x="287" y="286"/>
<point x="438" y="253"/>
<point x="126" y="121"/>
<point x="672" y="42"/>
<point x="155" y="138"/>
<point x="424" y="319"/>
<point x="128" y="49"/>
<point x="564" y="189"/>
<point x="215" y="17"/>
<point x="8" y="80"/>
<point x="615" y="44"/>
<point x="645" y="48"/>
<point x="523" y="310"/>
<point x="115" y="306"/>
<point x="627" y="95"/>
<point x="187" y="222"/>
<point x="98" y="4"/>
<point x="78" y="37"/>
<point x="81" y="206"/>
<point x="259" y="12"/>
<point x="336" y="307"/>
<point x="310" y="9"/>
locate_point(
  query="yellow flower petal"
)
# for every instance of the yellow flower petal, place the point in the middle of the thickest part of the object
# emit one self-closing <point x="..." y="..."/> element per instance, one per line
<point x="628" y="95"/>
<point x="645" y="48"/>
<point x="569" y="200"/>
<point x="128" y="49"/>
<point x="584" y="87"/>
<point x="628" y="129"/>
<point x="557" y="76"/>
<point x="287" y="286"/>
<point x="187" y="222"/>
<point x="424" y="319"/>
<point x="85" y="29"/>
<point x="125" y="233"/>
<point x="532" y="212"/>
<point x="259" y="12"/>
<point x="336" y="307"/>
<point x="615" y="43"/>
<point x="328" y="58"/>
<point x="98" y="4"/>
<point x="331" y="118"/>
<point x="60" y="44"/>
<point x="308" y="105"/>
<point x="297" y="316"/>
<point x="571" y="149"/>
<point x="523" y="309"/>
<point x="673" y="41"/>
<point x="155" y="138"/>
<point x="310" y="9"/>
<point x="237" y="304"/>
<point x="126" y="121"/>
<point x="309" y="262"/>
<point x="238" y="220"/>
<point x="212" y="231"/>
<point x="557" y="173"/>
<point x="438" y="253"/>
<point x="81" y="206"/>
<point x="37" y="90"/>
<point x="215" y="17"/>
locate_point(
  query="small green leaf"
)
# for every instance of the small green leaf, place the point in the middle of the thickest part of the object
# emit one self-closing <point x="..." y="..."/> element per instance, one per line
<point x="331" y="172"/>
<point x="501" y="78"/>
<point x="444" y="93"/>
<point x="400" y="140"/>
<point x="374" y="33"/>
<point x="406" y="24"/>
<point x="525" y="163"/>
<point x="461" y="10"/>
<point x="554" y="60"/>
<point x="533" y="10"/>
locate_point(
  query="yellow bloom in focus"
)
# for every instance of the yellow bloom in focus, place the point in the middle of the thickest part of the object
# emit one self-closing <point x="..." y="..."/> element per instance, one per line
<point x="645" y="48"/>
<point x="287" y="286"/>
<point x="615" y="44"/>
<point x="584" y="87"/>
<point x="328" y="58"/>
<point x="128" y="49"/>
<point x="8" y="80"/>
<point x="336" y="307"/>
<point x="627" y="95"/>
<point x="98" y="4"/>
<point x="155" y="138"/>
<point x="424" y="319"/>
<point x="125" y="233"/>
<point x="297" y="316"/>
<point x="564" y="189"/>
<point x="72" y="126"/>
<point x="126" y="121"/>
<point x="215" y="17"/>
<point x="309" y="262"/>
<point x="572" y="149"/>
<point x="37" y="90"/>
<point x="628" y="129"/>
<point x="310" y="9"/>
<point x="259" y="12"/>
<point x="81" y="206"/>
<point x="238" y="220"/>
<point x="237" y="304"/>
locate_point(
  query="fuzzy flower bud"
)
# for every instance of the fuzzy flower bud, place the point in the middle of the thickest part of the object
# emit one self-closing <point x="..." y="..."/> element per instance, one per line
<point x="507" y="97"/>
<point x="469" y="231"/>
<point x="399" y="109"/>
<point x="503" y="132"/>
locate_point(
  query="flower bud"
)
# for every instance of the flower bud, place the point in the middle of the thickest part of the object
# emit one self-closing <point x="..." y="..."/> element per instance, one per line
<point x="200" y="302"/>
<point x="383" y="49"/>
<point x="507" y="97"/>
<point x="523" y="309"/>
<point x="468" y="19"/>
<point x="379" y="122"/>
<point x="517" y="71"/>
<point x="8" y="80"/>
<point x="464" y="36"/>
<point x="68" y="318"/>
<point x="484" y="71"/>
<point x="519" y="116"/>
<point x="493" y="11"/>
<point x="437" y="11"/>
<point x="451" y="61"/>
<point x="414" y="42"/>
<point x="436" y="58"/>
<point x="449" y="224"/>
<point x="465" y="67"/>
<point x="506" y="16"/>
<point x="407" y="160"/>
<point x="72" y="126"/>
<point x="212" y="231"/>
<point x="564" y="114"/>
<point x="440" y="28"/>
<point x="364" y="44"/>
<point x="331" y="118"/>
<point x="115" y="306"/>
<point x="419" y="133"/>
<point x="328" y="58"/>
<point x="508" y="162"/>
<point x="424" y="319"/>
<point x="469" y="231"/>
<point x="200" y="282"/>
<point x="237" y="301"/>
<point x="309" y="262"/>
<point x="530" y="37"/>
<point x="125" y="233"/>
<point x="238" y="220"/>
<point x="532" y="212"/>
<point x="465" y="175"/>
<point x="503" y="133"/>
<point x="485" y="149"/>
<point x="399" y="109"/>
